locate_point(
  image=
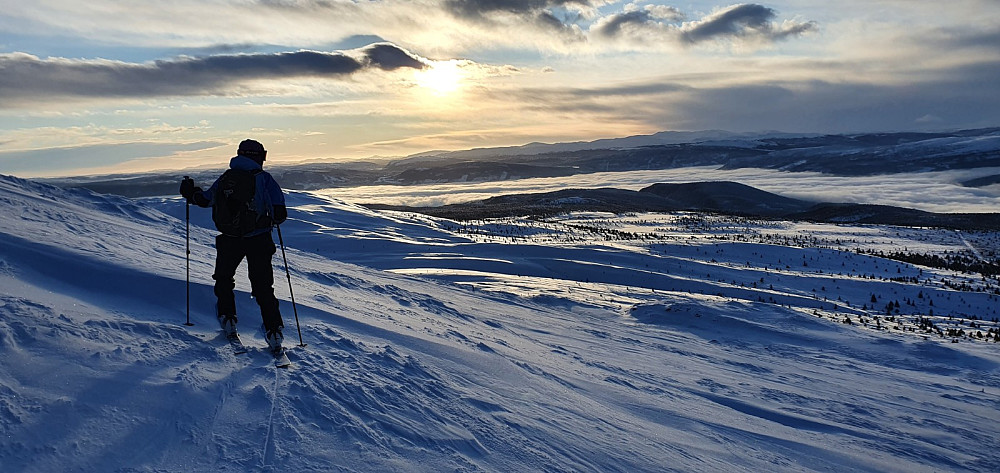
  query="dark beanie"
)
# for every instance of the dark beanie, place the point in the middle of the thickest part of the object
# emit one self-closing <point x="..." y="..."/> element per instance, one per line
<point x="253" y="150"/>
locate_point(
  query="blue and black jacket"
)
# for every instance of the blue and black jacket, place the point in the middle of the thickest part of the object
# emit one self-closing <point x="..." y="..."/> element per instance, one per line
<point x="269" y="200"/>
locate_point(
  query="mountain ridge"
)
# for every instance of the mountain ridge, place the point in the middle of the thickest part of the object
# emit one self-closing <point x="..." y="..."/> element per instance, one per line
<point x="841" y="155"/>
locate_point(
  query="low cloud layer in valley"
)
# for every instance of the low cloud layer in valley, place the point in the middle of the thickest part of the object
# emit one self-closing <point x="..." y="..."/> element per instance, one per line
<point x="933" y="192"/>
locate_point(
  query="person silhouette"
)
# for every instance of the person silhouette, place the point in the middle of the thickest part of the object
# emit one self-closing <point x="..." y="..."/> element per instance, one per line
<point x="245" y="233"/>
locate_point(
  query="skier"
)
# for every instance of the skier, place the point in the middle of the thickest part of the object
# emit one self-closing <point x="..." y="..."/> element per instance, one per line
<point x="245" y="232"/>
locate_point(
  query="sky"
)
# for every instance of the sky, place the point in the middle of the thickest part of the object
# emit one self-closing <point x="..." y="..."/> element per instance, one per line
<point x="103" y="86"/>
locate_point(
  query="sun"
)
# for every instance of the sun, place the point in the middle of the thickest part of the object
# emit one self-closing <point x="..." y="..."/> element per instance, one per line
<point x="441" y="78"/>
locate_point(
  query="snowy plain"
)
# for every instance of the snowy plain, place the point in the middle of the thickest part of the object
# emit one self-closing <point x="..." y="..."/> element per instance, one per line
<point x="584" y="343"/>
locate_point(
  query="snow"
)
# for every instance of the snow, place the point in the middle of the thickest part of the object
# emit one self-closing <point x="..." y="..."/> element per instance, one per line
<point x="588" y="342"/>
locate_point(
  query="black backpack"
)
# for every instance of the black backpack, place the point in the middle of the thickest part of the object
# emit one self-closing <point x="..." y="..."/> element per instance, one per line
<point x="234" y="212"/>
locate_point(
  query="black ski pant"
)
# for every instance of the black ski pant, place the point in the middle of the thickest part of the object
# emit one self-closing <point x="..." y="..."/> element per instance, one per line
<point x="258" y="250"/>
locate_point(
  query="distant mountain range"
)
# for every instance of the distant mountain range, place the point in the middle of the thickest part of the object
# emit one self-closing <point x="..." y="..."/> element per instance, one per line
<point x="844" y="155"/>
<point x="724" y="197"/>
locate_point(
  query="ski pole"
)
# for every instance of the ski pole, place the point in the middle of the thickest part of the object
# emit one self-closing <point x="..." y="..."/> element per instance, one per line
<point x="288" y="275"/>
<point x="187" y="254"/>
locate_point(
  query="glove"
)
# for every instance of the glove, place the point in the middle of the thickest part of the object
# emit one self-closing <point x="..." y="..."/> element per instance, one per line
<point x="280" y="214"/>
<point x="187" y="188"/>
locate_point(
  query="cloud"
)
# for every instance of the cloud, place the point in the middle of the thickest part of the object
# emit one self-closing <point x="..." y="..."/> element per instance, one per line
<point x="624" y="103"/>
<point x="553" y="15"/>
<point x="929" y="119"/>
<point x="452" y="28"/>
<point x="650" y="16"/>
<point x="24" y="77"/>
<point x="480" y="9"/>
<point x="389" y="57"/>
<point x="579" y="94"/>
<point x="658" y="24"/>
<point x="965" y="37"/>
<point x="964" y="97"/>
<point x="746" y="20"/>
<point x="67" y="160"/>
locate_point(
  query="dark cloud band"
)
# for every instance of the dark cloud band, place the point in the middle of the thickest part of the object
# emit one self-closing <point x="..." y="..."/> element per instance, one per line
<point x="483" y="8"/>
<point x="541" y="13"/>
<point x="24" y="77"/>
<point x="647" y="18"/>
<point x="743" y="20"/>
<point x="747" y="21"/>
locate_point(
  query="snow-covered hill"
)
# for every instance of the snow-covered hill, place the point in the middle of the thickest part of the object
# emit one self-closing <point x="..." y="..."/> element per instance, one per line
<point x="585" y="343"/>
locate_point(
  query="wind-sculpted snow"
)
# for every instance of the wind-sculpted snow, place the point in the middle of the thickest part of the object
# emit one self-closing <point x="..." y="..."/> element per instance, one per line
<point x="580" y="343"/>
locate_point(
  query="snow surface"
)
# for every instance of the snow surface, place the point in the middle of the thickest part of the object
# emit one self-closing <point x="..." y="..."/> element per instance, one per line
<point x="590" y="342"/>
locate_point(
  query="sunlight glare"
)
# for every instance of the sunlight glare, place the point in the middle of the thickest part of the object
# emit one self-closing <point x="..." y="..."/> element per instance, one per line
<point x="441" y="78"/>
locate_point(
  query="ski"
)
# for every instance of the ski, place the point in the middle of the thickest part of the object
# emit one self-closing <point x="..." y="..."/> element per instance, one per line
<point x="236" y="343"/>
<point x="233" y="337"/>
<point x="281" y="358"/>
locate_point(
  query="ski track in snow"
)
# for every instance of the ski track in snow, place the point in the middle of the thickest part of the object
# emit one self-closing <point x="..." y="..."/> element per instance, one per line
<point x="435" y="350"/>
<point x="971" y="248"/>
<point x="267" y="454"/>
